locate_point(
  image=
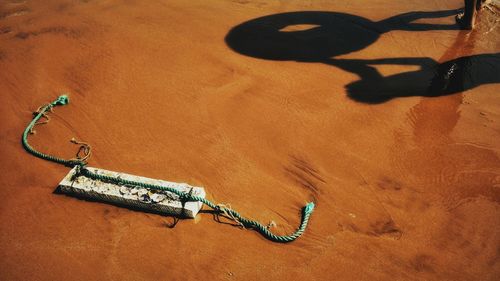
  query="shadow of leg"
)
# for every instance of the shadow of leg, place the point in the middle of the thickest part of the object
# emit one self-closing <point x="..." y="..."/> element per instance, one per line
<point x="404" y="21"/>
<point x="467" y="20"/>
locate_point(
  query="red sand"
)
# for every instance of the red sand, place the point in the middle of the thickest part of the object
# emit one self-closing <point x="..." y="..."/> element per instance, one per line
<point x="407" y="189"/>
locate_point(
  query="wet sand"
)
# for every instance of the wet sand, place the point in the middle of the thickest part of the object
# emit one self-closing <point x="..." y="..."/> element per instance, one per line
<point x="406" y="189"/>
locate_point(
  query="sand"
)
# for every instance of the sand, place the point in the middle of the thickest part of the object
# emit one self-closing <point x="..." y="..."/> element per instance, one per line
<point x="407" y="188"/>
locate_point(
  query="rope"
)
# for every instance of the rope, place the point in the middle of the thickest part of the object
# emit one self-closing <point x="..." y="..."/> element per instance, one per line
<point x="222" y="211"/>
<point x="44" y="115"/>
<point x="85" y="149"/>
<point x="84" y="152"/>
<point x="42" y="112"/>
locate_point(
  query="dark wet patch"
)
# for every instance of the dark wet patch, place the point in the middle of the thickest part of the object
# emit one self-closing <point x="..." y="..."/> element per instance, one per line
<point x="3" y="55"/>
<point x="22" y="35"/>
<point x="423" y="263"/>
<point x="304" y="174"/>
<point x="70" y="33"/>
<point x="385" y="227"/>
<point x="5" y="29"/>
<point x="381" y="228"/>
<point x="389" y="184"/>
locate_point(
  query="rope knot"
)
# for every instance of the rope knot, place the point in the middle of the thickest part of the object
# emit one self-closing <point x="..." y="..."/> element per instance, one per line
<point x="61" y="100"/>
<point x="186" y="196"/>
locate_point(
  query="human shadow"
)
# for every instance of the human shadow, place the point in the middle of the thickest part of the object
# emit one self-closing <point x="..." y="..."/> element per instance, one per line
<point x="430" y="80"/>
<point x="328" y="34"/>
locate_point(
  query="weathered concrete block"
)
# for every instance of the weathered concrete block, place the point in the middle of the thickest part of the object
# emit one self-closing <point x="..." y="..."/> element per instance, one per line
<point x="142" y="198"/>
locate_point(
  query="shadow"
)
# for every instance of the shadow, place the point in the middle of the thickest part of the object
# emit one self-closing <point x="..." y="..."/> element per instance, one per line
<point x="318" y="37"/>
<point x="89" y="198"/>
<point x="217" y="215"/>
<point x="431" y="80"/>
<point x="315" y="36"/>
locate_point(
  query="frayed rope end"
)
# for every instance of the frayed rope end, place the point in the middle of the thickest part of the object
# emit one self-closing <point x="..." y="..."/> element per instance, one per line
<point x="61" y="100"/>
<point x="309" y="208"/>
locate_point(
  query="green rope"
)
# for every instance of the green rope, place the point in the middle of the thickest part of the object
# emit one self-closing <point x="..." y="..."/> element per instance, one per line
<point x="42" y="111"/>
<point x="184" y="196"/>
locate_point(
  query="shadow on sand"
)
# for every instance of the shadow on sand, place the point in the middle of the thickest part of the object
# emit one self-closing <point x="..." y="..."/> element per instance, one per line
<point x="318" y="37"/>
<point x="431" y="80"/>
<point x="218" y="216"/>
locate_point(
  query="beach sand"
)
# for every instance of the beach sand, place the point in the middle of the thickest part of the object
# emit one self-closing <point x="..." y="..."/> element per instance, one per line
<point x="405" y="189"/>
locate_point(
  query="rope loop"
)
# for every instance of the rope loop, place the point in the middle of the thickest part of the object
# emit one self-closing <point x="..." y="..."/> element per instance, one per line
<point x="84" y="151"/>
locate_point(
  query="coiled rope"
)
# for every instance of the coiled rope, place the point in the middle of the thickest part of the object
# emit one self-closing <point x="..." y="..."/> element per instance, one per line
<point x="81" y="161"/>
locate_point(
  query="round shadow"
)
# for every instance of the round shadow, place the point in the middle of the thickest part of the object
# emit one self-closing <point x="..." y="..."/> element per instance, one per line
<point x="280" y="37"/>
